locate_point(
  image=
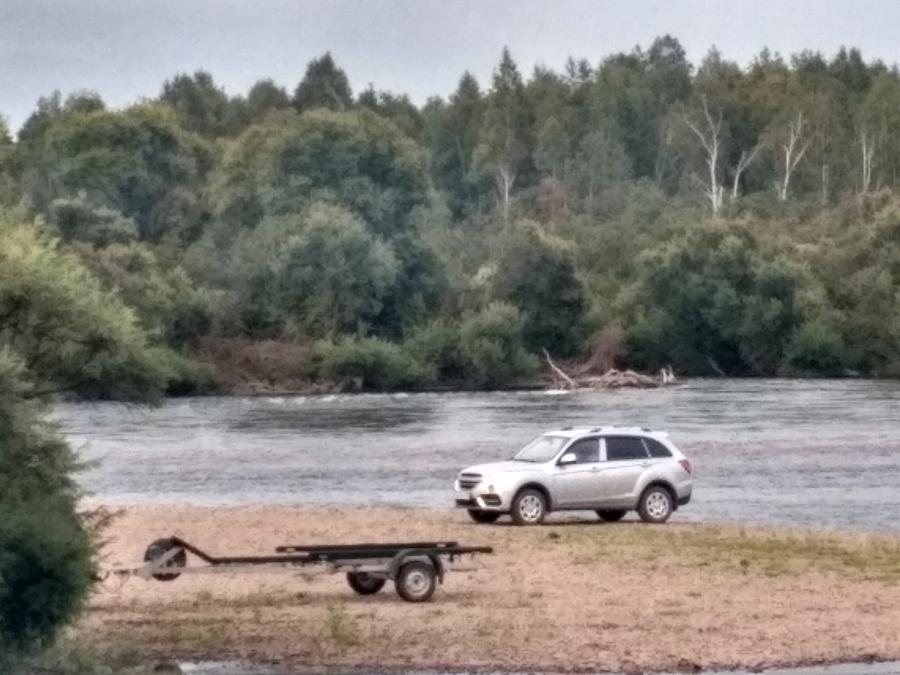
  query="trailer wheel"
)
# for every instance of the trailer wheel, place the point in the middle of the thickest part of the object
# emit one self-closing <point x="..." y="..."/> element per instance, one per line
<point x="157" y="550"/>
<point x="364" y="584"/>
<point x="416" y="581"/>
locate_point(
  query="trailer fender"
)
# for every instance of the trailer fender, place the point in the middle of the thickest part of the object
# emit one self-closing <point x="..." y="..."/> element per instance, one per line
<point x="410" y="555"/>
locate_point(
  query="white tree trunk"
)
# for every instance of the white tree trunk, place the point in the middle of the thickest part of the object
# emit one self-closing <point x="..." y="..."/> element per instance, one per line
<point x="867" y="146"/>
<point x="794" y="149"/>
<point x="745" y="161"/>
<point x="505" y="179"/>
<point x="710" y="139"/>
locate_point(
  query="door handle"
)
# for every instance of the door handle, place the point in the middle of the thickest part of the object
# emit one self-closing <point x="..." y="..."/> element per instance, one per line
<point x="645" y="464"/>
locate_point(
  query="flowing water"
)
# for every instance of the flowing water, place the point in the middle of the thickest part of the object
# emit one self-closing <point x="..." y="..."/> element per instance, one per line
<point x="808" y="453"/>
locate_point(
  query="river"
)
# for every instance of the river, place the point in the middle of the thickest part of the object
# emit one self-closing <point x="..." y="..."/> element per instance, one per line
<point x="808" y="453"/>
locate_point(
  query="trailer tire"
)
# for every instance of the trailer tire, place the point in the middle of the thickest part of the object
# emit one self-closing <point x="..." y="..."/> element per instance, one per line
<point x="157" y="550"/>
<point x="416" y="581"/>
<point x="364" y="584"/>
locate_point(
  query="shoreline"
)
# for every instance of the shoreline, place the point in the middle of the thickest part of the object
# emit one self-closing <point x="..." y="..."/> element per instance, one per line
<point x="574" y="595"/>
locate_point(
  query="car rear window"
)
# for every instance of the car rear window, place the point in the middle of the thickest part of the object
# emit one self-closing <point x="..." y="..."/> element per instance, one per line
<point x="656" y="448"/>
<point x="624" y="447"/>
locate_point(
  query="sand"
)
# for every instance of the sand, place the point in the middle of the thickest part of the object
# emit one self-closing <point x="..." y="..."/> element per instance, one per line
<point x="572" y="595"/>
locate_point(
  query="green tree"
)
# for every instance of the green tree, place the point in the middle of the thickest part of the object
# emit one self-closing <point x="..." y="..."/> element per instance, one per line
<point x="491" y="342"/>
<point x="59" y="331"/>
<point x="45" y="549"/>
<point x="138" y="162"/>
<point x="76" y="220"/>
<point x="451" y="132"/>
<point x="713" y="301"/>
<point x="357" y="160"/>
<point x="324" y="85"/>
<point x="202" y="106"/>
<point x="334" y="276"/>
<point x="9" y="179"/>
<point x="505" y="136"/>
<point x="536" y="273"/>
<point x="71" y="334"/>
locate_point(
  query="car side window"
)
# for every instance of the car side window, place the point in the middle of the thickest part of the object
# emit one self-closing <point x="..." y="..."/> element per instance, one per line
<point x="586" y="450"/>
<point x="620" y="448"/>
<point x="656" y="448"/>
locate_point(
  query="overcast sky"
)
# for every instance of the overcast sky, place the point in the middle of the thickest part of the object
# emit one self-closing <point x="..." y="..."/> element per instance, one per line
<point x="125" y="49"/>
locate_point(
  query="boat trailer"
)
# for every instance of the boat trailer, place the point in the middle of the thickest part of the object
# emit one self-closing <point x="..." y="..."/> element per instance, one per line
<point x="414" y="567"/>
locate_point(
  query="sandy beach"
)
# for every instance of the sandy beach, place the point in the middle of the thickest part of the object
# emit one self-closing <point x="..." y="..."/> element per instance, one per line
<point x="572" y="595"/>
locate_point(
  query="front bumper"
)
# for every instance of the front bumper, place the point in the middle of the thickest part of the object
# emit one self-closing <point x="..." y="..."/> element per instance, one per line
<point x="479" y="497"/>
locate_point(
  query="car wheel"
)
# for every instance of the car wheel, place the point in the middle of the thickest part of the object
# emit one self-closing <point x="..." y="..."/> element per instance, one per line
<point x="416" y="581"/>
<point x="364" y="584"/>
<point x="483" y="516"/>
<point x="611" y="516"/>
<point x="656" y="505"/>
<point x="529" y="507"/>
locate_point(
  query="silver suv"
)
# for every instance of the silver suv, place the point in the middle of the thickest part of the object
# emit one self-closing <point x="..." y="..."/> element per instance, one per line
<point x="610" y="470"/>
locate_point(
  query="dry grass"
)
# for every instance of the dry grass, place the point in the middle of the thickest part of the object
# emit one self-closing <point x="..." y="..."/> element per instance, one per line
<point x="575" y="594"/>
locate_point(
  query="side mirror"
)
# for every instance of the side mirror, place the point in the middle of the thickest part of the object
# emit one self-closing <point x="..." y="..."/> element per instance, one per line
<point x="568" y="458"/>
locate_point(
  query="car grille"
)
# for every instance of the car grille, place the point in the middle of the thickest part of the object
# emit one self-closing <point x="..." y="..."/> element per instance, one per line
<point x="469" y="480"/>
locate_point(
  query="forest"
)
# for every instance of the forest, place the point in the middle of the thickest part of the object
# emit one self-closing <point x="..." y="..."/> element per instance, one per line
<point x="723" y="220"/>
<point x="715" y="218"/>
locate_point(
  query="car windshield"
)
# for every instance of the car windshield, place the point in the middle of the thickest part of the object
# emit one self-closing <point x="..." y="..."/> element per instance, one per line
<point x="541" y="449"/>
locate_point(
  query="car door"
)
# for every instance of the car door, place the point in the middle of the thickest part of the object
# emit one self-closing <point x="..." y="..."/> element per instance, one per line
<point x="577" y="484"/>
<point x="625" y="459"/>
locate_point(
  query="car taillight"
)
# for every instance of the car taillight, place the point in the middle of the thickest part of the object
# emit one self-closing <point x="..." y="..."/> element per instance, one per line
<point x="685" y="464"/>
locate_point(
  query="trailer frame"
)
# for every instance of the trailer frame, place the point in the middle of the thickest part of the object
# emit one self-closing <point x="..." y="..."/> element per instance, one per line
<point x="414" y="567"/>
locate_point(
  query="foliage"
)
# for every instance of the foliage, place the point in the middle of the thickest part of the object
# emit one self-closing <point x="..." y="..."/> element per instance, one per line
<point x="76" y="220"/>
<point x="371" y="363"/>
<point x="357" y="160"/>
<point x="739" y="218"/>
<point x="536" y="273"/>
<point x="45" y="552"/>
<point x="492" y="343"/>
<point x="713" y="301"/>
<point x="324" y="85"/>
<point x="139" y="163"/>
<point x="334" y="277"/>
<point x="438" y="344"/>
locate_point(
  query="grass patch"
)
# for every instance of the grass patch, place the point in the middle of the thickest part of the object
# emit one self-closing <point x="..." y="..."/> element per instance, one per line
<point x="70" y="656"/>
<point x="341" y="629"/>
<point x="747" y="550"/>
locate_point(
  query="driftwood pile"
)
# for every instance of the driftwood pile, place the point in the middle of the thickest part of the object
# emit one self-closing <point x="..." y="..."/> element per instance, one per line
<point x="584" y="376"/>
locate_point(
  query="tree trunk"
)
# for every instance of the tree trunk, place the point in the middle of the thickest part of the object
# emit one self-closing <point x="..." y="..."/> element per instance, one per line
<point x="792" y="154"/>
<point x="745" y="161"/>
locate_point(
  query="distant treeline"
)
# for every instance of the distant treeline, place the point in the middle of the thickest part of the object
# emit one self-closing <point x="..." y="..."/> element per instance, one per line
<point x="714" y="218"/>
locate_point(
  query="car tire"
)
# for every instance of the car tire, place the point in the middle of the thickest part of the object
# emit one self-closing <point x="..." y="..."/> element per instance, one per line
<point x="529" y="507"/>
<point x="483" y="516"/>
<point x="610" y="515"/>
<point x="416" y="581"/>
<point x="656" y="504"/>
<point x="364" y="584"/>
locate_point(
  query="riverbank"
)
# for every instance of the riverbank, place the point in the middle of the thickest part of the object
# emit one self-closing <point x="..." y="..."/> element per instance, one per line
<point x="574" y="595"/>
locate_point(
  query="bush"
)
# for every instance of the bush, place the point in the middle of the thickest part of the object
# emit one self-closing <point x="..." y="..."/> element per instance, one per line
<point x="373" y="363"/>
<point x="713" y="300"/>
<point x="45" y="551"/>
<point x="437" y="344"/>
<point x="536" y="273"/>
<point x="816" y="348"/>
<point x="492" y="344"/>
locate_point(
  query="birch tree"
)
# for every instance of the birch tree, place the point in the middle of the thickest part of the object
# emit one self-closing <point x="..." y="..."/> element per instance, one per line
<point x="745" y="160"/>
<point x="794" y="147"/>
<point x="708" y="130"/>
